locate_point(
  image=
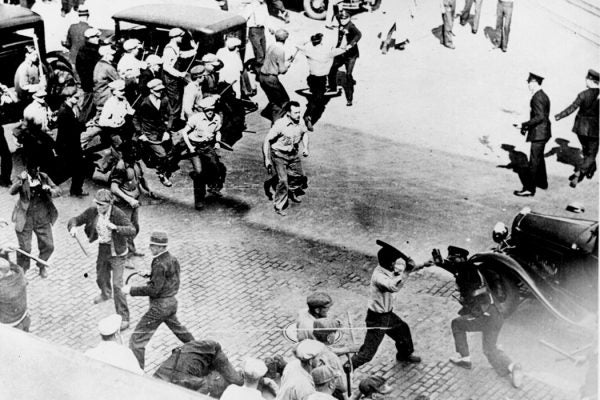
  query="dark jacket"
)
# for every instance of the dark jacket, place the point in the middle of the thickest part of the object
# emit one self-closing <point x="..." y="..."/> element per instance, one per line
<point x="76" y="39"/>
<point x="538" y="126"/>
<point x="353" y="35"/>
<point x="152" y="122"/>
<point x="586" y="121"/>
<point x="21" y="186"/>
<point x="68" y="136"/>
<point x="85" y="62"/>
<point x="164" y="278"/>
<point x="89" y="218"/>
<point x="146" y="75"/>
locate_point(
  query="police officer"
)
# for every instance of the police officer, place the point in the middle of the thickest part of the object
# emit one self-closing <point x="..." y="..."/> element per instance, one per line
<point x="585" y="127"/>
<point x="478" y="314"/>
<point x="161" y="289"/>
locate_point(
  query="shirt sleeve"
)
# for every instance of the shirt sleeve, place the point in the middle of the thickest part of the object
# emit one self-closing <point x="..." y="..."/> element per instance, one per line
<point x="385" y="283"/>
<point x="169" y="59"/>
<point x="156" y="284"/>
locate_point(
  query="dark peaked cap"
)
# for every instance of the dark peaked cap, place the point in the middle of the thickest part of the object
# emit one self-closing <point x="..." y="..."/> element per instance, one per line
<point x="389" y="253"/>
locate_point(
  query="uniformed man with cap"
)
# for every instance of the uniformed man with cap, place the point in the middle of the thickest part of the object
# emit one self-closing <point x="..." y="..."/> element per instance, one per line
<point x="111" y="350"/>
<point x="324" y="378"/>
<point x="388" y="278"/>
<point x="76" y="34"/>
<point x="296" y="380"/>
<point x="152" y="120"/>
<point x="104" y="73"/>
<point x="232" y="64"/>
<point x="174" y="75"/>
<point x="318" y="304"/>
<point x="85" y="62"/>
<point x="202" y="135"/>
<point x="585" y="126"/>
<point x="479" y="313"/>
<point x="161" y="290"/>
<point x="276" y="63"/>
<point x="154" y="71"/>
<point x="192" y="92"/>
<point x="27" y="76"/>
<point x="538" y="132"/>
<point x="253" y="370"/>
<point x="110" y="226"/>
<point x="116" y="115"/>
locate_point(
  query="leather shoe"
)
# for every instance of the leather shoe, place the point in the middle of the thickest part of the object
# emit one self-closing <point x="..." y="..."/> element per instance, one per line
<point x="349" y="104"/>
<point x="450" y="46"/>
<point x="459" y="362"/>
<point x="43" y="272"/>
<point x="516" y="375"/>
<point x="124" y="325"/>
<point x="524" y="193"/>
<point x="99" y="299"/>
<point x="408" y="359"/>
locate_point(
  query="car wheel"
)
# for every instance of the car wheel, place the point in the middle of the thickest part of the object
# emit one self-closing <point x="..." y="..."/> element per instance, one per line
<point x="505" y="291"/>
<point x="313" y="11"/>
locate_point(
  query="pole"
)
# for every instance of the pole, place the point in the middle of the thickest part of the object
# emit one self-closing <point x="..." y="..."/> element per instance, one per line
<point x="34" y="258"/>
<point x="81" y="245"/>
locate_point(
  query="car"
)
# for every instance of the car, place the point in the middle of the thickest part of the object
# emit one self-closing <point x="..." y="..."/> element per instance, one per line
<point x="20" y="27"/>
<point x="317" y="9"/>
<point x="552" y="258"/>
<point x="150" y="24"/>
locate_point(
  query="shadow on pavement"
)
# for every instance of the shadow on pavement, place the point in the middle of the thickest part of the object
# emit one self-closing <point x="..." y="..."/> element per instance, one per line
<point x="438" y="32"/>
<point x="492" y="35"/>
<point x="564" y="153"/>
<point x="518" y="161"/>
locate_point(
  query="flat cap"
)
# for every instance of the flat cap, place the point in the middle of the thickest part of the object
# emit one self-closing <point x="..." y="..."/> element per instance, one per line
<point x="323" y="374"/>
<point x="319" y="299"/>
<point x="40" y="93"/>
<point x="233" y="42"/>
<point x="207" y="103"/>
<point x="153" y="59"/>
<point x="210" y="58"/>
<point x="593" y="75"/>
<point x="198" y="70"/>
<point x="155" y="84"/>
<point x="535" y="77"/>
<point x="110" y="325"/>
<point x="91" y="32"/>
<point x="175" y="32"/>
<point x="119" y="84"/>
<point x="308" y="349"/>
<point x="103" y="196"/>
<point x="281" y="35"/>
<point x="159" y="238"/>
<point x="131" y="44"/>
<point x="254" y="369"/>
<point x="105" y="50"/>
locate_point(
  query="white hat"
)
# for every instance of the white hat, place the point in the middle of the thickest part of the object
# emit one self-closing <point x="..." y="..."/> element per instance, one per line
<point x="91" y="32"/>
<point x="119" y="84"/>
<point x="254" y="369"/>
<point x="233" y="42"/>
<point x="308" y="349"/>
<point x="153" y="59"/>
<point x="110" y="325"/>
<point x="105" y="50"/>
<point x="131" y="44"/>
<point x="207" y="102"/>
<point x="175" y="32"/>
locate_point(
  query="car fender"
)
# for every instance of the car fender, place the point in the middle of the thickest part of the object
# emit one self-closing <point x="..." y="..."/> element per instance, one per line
<point x="505" y="264"/>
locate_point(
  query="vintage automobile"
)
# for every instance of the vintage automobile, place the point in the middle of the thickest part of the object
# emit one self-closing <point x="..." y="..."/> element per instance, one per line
<point x="317" y="9"/>
<point x="20" y="27"/>
<point x="554" y="259"/>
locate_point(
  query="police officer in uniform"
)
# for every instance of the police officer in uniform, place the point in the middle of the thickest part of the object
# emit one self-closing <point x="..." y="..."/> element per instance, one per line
<point x="585" y="127"/>
<point x="478" y="314"/>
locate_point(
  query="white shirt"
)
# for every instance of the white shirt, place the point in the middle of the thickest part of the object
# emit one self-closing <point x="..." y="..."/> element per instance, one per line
<point x="296" y="383"/>
<point x="115" y="354"/>
<point x="305" y="325"/>
<point x="114" y="112"/>
<point x="320" y="58"/>
<point x="382" y="288"/>
<point x="256" y="13"/>
<point x="129" y="67"/>
<point x="235" y="392"/>
<point x="232" y="68"/>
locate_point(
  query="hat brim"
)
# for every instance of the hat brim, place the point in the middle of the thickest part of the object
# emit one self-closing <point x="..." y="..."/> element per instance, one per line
<point x="158" y="244"/>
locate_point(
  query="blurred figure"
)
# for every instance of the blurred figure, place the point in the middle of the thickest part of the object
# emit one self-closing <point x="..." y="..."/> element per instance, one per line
<point x="85" y="62"/>
<point x="448" y="8"/>
<point x="76" y="34"/>
<point x="504" y="11"/>
<point x="232" y="64"/>
<point x="104" y="73"/>
<point x="27" y="76"/>
<point x="13" y="296"/>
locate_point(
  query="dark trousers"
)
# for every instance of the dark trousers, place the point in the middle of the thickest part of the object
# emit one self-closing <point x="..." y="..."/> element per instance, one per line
<point x="68" y="5"/>
<point x="5" y="159"/>
<point x="73" y="166"/>
<point x="504" y="11"/>
<point x="464" y="16"/>
<point x="394" y="327"/>
<point x="174" y="87"/>
<point x="489" y="326"/>
<point x="276" y="94"/>
<point x="105" y="264"/>
<point x="448" y="21"/>
<point x="256" y="36"/>
<point x="159" y="156"/>
<point x="133" y="215"/>
<point x="290" y="177"/>
<point x="316" y="100"/>
<point x="589" y="149"/>
<point x="536" y="175"/>
<point x="43" y="233"/>
<point x="348" y="62"/>
<point x="161" y="310"/>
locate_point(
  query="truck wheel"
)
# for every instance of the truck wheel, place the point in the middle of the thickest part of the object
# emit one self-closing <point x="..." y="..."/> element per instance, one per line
<point x="505" y="291"/>
<point x="314" y="12"/>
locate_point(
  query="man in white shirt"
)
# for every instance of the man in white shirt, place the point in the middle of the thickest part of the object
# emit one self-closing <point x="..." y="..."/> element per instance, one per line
<point x="129" y="65"/>
<point x="115" y="116"/>
<point x="111" y="350"/>
<point x="253" y="371"/>
<point x="232" y="64"/>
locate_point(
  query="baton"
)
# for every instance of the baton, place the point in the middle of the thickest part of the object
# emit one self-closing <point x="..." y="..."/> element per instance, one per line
<point x="36" y="259"/>
<point x="227" y="88"/>
<point x="349" y="373"/>
<point x="81" y="245"/>
<point x="558" y="350"/>
<point x="225" y="146"/>
<point x="133" y="274"/>
<point x="136" y="100"/>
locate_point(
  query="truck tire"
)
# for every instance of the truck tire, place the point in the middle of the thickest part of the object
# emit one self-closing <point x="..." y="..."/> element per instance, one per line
<point x="504" y="289"/>
<point x="315" y="13"/>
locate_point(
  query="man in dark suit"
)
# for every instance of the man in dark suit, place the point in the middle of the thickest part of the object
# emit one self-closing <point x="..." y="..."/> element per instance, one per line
<point x="85" y="61"/>
<point x="585" y="127"/>
<point x="109" y="225"/>
<point x="348" y="37"/>
<point x="68" y="141"/>
<point x="76" y="34"/>
<point x="538" y="133"/>
<point x="34" y="212"/>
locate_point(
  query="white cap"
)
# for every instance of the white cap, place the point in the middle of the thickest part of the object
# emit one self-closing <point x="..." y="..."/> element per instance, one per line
<point x="153" y="59"/>
<point x="233" y="42"/>
<point x="110" y="325"/>
<point x="254" y="369"/>
<point x="207" y="102"/>
<point x="308" y="349"/>
<point x="104" y="50"/>
<point x="91" y="32"/>
<point x="131" y="44"/>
